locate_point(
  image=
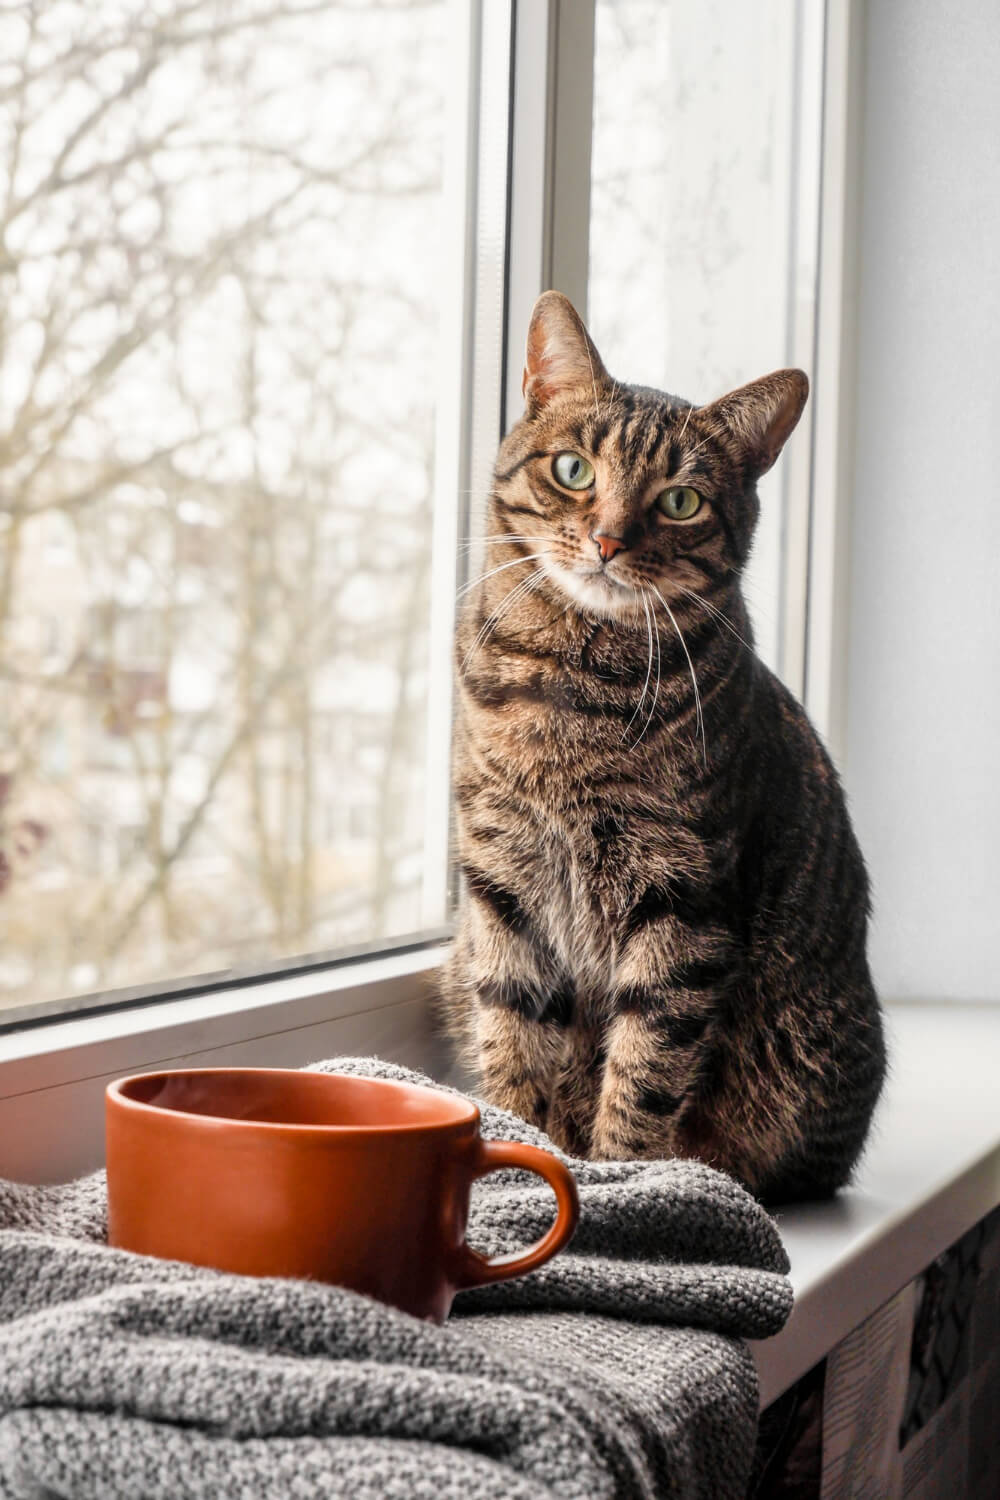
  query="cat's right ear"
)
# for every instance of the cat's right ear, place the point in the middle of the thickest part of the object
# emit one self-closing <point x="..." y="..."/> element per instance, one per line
<point x="560" y="354"/>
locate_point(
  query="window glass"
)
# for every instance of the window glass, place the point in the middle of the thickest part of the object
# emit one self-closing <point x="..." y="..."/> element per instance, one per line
<point x="219" y="306"/>
<point x="703" y="235"/>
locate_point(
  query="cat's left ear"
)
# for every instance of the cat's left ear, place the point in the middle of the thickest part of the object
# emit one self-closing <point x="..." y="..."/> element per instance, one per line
<point x="763" y="414"/>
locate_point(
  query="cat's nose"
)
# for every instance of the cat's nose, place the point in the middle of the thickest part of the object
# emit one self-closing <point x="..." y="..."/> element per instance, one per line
<point x="607" y="545"/>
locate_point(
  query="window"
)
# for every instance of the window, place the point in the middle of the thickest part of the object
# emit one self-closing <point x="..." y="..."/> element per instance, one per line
<point x="268" y="274"/>
<point x="704" y="217"/>
<point x="227" y="233"/>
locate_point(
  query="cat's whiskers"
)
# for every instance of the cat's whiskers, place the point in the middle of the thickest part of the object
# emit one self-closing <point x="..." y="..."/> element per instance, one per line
<point x="518" y="592"/>
<point x="723" y="619"/>
<point x="699" y="719"/>
<point x="685" y="427"/>
<point x="466" y="587"/>
<point x="497" y="536"/>
<point x="483" y="542"/>
<point x="493" y="620"/>
<point x="649" y="666"/>
<point x="656" y="690"/>
<point x="501" y="536"/>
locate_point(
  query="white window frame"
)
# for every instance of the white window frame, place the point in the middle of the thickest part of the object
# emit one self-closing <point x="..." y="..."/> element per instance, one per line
<point x="52" y="1075"/>
<point x="825" y="605"/>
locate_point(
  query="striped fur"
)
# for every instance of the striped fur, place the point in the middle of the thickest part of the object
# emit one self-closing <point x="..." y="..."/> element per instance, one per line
<point x="661" y="946"/>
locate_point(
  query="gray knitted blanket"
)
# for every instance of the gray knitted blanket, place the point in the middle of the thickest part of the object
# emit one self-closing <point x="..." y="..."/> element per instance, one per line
<point x="616" y="1370"/>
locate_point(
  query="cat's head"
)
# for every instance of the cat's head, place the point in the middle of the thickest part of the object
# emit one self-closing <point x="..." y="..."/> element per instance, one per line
<point x="624" y="488"/>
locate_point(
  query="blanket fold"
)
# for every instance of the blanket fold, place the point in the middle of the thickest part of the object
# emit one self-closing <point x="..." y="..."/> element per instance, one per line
<point x="616" y="1370"/>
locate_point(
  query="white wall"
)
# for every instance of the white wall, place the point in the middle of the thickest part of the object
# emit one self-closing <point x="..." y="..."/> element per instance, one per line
<point x="923" y="733"/>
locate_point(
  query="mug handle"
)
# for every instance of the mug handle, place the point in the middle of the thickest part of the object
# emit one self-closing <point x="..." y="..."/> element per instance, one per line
<point x="478" y="1270"/>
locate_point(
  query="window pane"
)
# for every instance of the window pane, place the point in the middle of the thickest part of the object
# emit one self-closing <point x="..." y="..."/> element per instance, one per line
<point x="219" y="304"/>
<point x="704" y="203"/>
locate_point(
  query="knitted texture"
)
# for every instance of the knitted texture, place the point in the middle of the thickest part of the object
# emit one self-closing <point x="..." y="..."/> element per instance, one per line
<point x="616" y="1370"/>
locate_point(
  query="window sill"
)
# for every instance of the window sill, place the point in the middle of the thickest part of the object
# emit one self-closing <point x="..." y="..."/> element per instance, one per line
<point x="52" y="1077"/>
<point x="931" y="1172"/>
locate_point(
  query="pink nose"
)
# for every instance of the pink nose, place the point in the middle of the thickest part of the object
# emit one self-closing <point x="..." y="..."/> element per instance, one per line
<point x="608" y="545"/>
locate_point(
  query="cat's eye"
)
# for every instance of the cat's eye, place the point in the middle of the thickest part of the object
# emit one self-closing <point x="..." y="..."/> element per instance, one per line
<point x="679" y="503"/>
<point x="572" y="471"/>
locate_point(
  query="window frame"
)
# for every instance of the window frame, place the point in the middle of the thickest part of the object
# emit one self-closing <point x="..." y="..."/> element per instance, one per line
<point x="52" y="1072"/>
<point x="824" y="569"/>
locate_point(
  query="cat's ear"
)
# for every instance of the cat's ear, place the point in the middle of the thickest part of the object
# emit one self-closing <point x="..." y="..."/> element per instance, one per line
<point x="763" y="414"/>
<point x="560" y="355"/>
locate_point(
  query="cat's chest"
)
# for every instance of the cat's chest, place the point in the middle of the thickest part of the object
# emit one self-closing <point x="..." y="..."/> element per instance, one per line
<point x="608" y="854"/>
<point x="546" y="724"/>
<point x="587" y="868"/>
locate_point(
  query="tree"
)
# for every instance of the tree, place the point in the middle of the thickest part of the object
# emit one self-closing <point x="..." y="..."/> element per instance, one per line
<point x="216" y="327"/>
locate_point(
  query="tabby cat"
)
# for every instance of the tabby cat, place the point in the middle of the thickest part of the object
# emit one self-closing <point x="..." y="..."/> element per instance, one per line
<point x="661" y="949"/>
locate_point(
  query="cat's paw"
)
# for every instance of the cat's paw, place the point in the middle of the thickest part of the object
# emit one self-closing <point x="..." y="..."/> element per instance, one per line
<point x="608" y="1144"/>
<point x="524" y="1100"/>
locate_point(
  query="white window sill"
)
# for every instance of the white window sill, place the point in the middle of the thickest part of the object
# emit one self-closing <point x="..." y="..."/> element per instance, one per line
<point x="52" y="1076"/>
<point x="932" y="1170"/>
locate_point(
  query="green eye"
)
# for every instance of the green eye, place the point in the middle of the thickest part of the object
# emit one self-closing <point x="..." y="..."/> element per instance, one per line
<point x="572" y="471"/>
<point x="679" y="504"/>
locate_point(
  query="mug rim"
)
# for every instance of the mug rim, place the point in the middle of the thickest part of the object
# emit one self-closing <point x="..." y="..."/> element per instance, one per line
<point x="469" y="1115"/>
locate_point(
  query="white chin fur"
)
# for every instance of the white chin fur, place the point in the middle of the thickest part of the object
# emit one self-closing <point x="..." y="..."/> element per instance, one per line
<point x="597" y="595"/>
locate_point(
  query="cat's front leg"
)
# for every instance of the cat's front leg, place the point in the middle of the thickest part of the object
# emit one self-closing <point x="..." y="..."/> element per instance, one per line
<point x="511" y="1006"/>
<point x="518" y="1055"/>
<point x="667" y="1011"/>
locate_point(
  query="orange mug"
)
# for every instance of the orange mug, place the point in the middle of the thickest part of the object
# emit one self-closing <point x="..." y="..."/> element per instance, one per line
<point x="273" y="1172"/>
